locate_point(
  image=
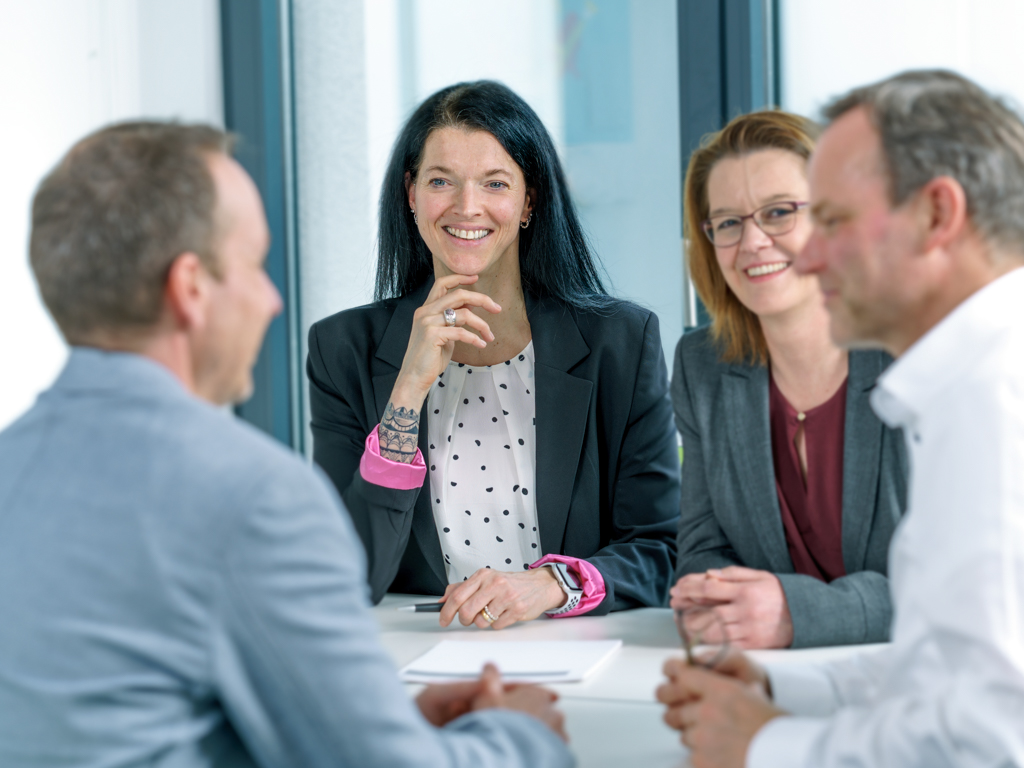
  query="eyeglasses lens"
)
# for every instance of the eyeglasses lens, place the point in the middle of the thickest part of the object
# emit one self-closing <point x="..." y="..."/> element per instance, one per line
<point x="774" y="219"/>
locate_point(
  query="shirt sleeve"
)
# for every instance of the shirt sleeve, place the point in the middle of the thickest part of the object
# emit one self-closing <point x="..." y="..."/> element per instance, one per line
<point x="378" y="470"/>
<point x="590" y="579"/>
<point x="819" y="689"/>
<point x="813" y="693"/>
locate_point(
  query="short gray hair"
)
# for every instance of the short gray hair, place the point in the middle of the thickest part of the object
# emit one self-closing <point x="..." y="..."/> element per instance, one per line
<point x="937" y="123"/>
<point x="110" y="219"/>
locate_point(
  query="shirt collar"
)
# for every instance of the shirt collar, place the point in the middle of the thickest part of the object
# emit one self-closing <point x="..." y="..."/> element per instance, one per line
<point x="939" y="357"/>
<point x="92" y="369"/>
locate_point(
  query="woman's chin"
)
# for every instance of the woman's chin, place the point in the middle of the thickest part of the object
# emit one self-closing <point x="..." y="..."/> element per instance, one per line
<point x="461" y="265"/>
<point x="767" y="307"/>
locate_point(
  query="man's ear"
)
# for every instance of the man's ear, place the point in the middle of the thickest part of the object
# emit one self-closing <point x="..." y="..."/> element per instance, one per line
<point x="943" y="210"/>
<point x="186" y="291"/>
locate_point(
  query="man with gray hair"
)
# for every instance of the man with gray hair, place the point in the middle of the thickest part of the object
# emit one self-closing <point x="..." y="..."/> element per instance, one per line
<point x="917" y="195"/>
<point x="176" y="589"/>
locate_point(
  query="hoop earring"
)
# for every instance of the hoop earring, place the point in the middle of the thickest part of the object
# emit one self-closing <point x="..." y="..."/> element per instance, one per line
<point x="525" y="224"/>
<point x="414" y="219"/>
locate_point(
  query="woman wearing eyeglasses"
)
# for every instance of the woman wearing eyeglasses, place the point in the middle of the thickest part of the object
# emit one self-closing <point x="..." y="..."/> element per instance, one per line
<point x="791" y="486"/>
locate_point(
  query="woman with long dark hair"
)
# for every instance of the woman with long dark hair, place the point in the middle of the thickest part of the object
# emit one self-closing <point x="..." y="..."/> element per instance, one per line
<point x="498" y="426"/>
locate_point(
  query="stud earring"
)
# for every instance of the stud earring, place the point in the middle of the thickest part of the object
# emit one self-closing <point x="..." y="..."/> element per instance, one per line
<point x="525" y="224"/>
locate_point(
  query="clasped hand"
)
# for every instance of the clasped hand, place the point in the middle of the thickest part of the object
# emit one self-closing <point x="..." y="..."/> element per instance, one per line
<point x="509" y="597"/>
<point x="718" y="712"/>
<point x="440" y="704"/>
<point x="750" y="604"/>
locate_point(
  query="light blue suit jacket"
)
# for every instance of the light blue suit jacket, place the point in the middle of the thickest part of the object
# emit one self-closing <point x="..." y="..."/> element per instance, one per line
<point x="177" y="590"/>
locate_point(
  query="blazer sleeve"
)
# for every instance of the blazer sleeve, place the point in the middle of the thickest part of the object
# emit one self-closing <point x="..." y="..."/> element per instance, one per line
<point x="637" y="563"/>
<point x="849" y="610"/>
<point x="701" y="543"/>
<point x="382" y="516"/>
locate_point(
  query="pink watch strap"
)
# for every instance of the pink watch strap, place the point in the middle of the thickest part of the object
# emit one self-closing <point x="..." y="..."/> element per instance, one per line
<point x="375" y="469"/>
<point x="591" y="581"/>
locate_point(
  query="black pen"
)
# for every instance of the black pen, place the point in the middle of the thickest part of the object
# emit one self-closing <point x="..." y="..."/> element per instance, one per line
<point x="422" y="608"/>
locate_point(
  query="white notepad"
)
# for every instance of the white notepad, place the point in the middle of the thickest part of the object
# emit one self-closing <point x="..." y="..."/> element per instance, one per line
<point x="555" y="661"/>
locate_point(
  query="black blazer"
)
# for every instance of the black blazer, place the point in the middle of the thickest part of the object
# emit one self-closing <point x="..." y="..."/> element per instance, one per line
<point x="730" y="506"/>
<point x="607" y="464"/>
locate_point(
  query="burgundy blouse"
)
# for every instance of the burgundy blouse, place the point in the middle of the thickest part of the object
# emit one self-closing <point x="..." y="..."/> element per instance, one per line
<point x="812" y="512"/>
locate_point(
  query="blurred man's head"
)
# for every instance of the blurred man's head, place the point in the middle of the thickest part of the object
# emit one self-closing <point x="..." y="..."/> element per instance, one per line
<point x="917" y="195"/>
<point x="148" y="237"/>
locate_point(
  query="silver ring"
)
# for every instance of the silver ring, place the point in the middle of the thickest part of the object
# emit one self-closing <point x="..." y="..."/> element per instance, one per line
<point x="487" y="615"/>
<point x="449" y="317"/>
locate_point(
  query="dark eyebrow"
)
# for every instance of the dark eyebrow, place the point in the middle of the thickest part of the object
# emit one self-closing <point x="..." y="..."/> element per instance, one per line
<point x="768" y="201"/>
<point x="448" y="171"/>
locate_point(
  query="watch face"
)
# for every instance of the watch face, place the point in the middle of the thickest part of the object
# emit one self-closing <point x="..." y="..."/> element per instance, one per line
<point x="566" y="574"/>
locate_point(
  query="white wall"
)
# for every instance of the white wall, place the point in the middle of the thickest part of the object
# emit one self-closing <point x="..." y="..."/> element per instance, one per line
<point x="335" y="224"/>
<point x="829" y="47"/>
<point x="66" y="68"/>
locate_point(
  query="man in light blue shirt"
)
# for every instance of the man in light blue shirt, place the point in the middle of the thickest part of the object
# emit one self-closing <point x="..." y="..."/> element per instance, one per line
<point x="176" y="589"/>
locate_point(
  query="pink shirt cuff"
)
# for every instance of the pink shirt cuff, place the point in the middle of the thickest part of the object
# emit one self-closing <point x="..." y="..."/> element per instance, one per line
<point x="387" y="473"/>
<point x="590" y="578"/>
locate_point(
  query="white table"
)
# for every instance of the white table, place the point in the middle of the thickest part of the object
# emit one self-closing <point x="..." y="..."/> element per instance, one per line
<point x="612" y="717"/>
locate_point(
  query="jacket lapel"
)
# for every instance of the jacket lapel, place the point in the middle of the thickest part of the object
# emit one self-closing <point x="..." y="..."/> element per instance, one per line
<point x="388" y="364"/>
<point x="563" y="404"/>
<point x="745" y="401"/>
<point x="862" y="446"/>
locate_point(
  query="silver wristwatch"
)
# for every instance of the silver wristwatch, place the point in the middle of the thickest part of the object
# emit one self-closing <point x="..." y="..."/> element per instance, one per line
<point x="569" y="584"/>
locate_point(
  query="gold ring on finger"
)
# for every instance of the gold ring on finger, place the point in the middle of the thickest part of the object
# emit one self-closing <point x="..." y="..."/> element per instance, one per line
<point x="488" y="616"/>
<point x="449" y="317"/>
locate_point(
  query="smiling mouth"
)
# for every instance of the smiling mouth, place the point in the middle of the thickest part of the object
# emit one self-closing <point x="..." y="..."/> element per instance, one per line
<point x="766" y="269"/>
<point x="467" y="234"/>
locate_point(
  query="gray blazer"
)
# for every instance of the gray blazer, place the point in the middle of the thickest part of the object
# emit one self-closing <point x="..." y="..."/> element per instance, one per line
<point x="730" y="509"/>
<point x="179" y="591"/>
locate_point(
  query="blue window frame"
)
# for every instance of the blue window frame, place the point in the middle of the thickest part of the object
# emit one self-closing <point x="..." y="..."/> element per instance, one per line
<point x="256" y="51"/>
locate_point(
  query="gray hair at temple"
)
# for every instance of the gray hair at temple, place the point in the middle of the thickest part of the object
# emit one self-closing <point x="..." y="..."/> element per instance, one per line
<point x="937" y="123"/>
<point x="113" y="215"/>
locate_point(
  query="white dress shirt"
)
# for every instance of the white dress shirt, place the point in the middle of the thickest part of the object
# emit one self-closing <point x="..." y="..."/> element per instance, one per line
<point x="483" y="460"/>
<point x="949" y="690"/>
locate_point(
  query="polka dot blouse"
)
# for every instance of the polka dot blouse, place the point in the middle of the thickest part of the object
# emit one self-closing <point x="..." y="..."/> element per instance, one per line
<point x="482" y="463"/>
